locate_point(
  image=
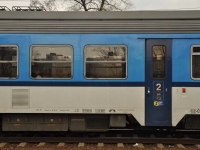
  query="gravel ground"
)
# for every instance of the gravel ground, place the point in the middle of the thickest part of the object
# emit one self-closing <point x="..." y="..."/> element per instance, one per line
<point x="53" y="146"/>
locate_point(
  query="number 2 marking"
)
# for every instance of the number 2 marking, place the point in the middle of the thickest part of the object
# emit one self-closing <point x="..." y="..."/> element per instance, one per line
<point x="158" y="85"/>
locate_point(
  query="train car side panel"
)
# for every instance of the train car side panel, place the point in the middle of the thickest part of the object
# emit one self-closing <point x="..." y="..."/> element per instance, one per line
<point x="186" y="90"/>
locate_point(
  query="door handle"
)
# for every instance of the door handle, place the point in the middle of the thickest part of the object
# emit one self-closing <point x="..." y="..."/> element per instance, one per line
<point x="148" y="92"/>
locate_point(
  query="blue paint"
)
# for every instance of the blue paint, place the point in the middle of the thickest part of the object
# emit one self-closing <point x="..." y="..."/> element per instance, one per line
<point x="181" y="56"/>
<point x="78" y="42"/>
<point x="136" y="46"/>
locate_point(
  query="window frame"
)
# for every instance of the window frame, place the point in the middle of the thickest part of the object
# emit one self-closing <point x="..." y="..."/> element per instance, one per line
<point x="191" y="54"/>
<point x="17" y="60"/>
<point x="55" y="45"/>
<point x="106" y="45"/>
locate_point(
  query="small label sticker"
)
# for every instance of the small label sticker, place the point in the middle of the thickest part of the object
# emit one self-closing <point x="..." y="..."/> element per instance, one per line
<point x="158" y="103"/>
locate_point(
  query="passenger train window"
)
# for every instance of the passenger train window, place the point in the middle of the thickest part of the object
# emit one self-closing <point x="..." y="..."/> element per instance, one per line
<point x="8" y="61"/>
<point x="51" y="61"/>
<point x="105" y="62"/>
<point x="158" y="54"/>
<point x="195" y="57"/>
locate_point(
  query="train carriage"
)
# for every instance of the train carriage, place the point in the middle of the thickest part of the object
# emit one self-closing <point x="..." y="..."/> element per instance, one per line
<point x="93" y="71"/>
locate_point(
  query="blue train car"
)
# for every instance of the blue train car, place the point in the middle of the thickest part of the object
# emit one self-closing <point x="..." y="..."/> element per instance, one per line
<point x="94" y="71"/>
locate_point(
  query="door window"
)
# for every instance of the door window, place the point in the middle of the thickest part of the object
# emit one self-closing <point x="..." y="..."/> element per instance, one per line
<point x="158" y="67"/>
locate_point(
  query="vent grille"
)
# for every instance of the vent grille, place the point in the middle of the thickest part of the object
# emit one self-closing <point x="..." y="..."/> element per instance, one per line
<point x="20" y="97"/>
<point x="114" y="26"/>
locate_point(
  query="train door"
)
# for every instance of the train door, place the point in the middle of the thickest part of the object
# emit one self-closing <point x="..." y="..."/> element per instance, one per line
<point x="158" y="78"/>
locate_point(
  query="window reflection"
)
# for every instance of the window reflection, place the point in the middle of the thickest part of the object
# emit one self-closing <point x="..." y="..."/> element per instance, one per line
<point x="51" y="53"/>
<point x="105" y="61"/>
<point x="8" y="62"/>
<point x="101" y="53"/>
<point x="158" y="54"/>
<point x="51" y="62"/>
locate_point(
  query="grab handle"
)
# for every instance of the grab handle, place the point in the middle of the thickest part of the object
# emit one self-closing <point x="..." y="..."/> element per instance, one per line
<point x="148" y="92"/>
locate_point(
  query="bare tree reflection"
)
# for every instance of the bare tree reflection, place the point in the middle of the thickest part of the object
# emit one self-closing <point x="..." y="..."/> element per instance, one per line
<point x="105" y="52"/>
<point x="111" y="62"/>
